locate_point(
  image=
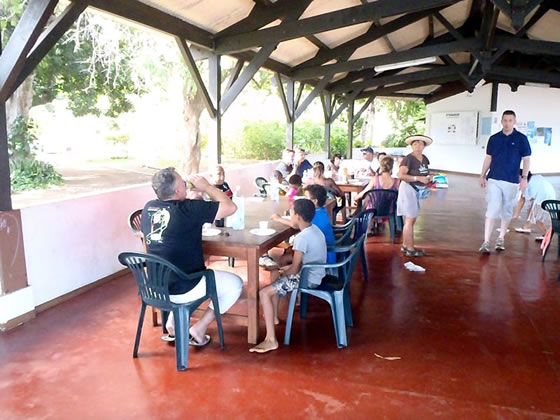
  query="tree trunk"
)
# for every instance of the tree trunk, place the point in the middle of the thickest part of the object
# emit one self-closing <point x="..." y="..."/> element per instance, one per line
<point x="192" y="108"/>
<point x="366" y="134"/>
<point x="20" y="102"/>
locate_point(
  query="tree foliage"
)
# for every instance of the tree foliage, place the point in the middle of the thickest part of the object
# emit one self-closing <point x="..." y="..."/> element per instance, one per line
<point x="407" y="118"/>
<point x="94" y="59"/>
<point x="26" y="171"/>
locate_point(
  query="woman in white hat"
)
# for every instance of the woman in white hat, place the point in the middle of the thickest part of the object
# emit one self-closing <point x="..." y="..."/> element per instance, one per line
<point x="414" y="172"/>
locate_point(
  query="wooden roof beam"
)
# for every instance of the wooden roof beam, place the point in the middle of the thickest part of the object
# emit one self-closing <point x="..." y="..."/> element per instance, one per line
<point x="324" y="22"/>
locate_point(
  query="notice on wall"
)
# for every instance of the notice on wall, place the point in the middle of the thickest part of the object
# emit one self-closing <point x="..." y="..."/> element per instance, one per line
<point x="543" y="136"/>
<point x="454" y="127"/>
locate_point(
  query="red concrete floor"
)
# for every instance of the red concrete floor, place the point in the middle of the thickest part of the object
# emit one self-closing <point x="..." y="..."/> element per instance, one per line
<point x="477" y="338"/>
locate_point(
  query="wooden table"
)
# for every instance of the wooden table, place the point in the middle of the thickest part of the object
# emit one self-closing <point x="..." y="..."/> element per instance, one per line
<point x="353" y="185"/>
<point x="246" y="246"/>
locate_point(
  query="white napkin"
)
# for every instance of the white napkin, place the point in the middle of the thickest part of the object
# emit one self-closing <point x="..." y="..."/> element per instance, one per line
<point x="413" y="267"/>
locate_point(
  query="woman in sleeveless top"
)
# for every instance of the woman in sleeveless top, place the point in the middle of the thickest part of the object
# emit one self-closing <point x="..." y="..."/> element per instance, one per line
<point x="383" y="181"/>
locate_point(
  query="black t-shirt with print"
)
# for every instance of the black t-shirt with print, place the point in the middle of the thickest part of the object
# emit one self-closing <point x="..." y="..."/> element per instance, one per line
<point x="416" y="168"/>
<point x="173" y="230"/>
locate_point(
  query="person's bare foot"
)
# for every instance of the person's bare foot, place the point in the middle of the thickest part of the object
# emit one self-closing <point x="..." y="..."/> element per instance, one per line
<point x="264" y="347"/>
<point x="200" y="338"/>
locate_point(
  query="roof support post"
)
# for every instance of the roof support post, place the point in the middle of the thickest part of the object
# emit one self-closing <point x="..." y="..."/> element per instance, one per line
<point x="5" y="183"/>
<point x="48" y="39"/>
<point x="350" y="129"/>
<point x="494" y="97"/>
<point x="287" y="98"/>
<point x="348" y="99"/>
<point x="290" y="125"/>
<point x="23" y="38"/>
<point x="327" y="111"/>
<point x="235" y="73"/>
<point x="215" y="90"/>
<point x="363" y="108"/>
<point x="246" y="76"/>
<point x="193" y="69"/>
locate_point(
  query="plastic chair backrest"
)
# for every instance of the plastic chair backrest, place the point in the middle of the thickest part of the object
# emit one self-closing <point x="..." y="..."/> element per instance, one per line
<point x="383" y="201"/>
<point x="260" y="182"/>
<point x="152" y="275"/>
<point x="135" y="221"/>
<point x="345" y="267"/>
<point x="363" y="220"/>
<point x="553" y="208"/>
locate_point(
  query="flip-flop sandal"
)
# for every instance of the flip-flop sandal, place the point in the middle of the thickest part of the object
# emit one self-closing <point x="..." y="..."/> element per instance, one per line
<point x="404" y="249"/>
<point x="168" y="338"/>
<point x="415" y="252"/>
<point x="521" y="230"/>
<point x="194" y="343"/>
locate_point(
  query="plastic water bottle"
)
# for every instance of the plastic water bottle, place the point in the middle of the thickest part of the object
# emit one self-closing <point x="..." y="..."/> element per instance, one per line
<point x="274" y="191"/>
<point x="238" y="218"/>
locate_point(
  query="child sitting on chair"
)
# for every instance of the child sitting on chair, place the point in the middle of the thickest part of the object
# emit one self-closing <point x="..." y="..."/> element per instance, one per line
<point x="309" y="248"/>
<point x="295" y="183"/>
<point x="278" y="178"/>
<point x="318" y="196"/>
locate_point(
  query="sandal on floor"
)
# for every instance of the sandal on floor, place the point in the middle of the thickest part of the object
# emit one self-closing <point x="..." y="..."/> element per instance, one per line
<point x="168" y="338"/>
<point x="404" y="249"/>
<point x="522" y="230"/>
<point x="194" y="343"/>
<point x="416" y="252"/>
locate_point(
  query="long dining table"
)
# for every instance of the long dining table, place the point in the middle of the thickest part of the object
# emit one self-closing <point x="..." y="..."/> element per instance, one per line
<point x="248" y="246"/>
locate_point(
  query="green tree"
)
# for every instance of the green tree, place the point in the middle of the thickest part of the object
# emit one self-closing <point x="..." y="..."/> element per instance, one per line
<point x="26" y="171"/>
<point x="407" y="118"/>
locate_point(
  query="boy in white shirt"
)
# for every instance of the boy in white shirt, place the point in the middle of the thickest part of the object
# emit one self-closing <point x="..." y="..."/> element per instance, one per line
<point x="309" y="247"/>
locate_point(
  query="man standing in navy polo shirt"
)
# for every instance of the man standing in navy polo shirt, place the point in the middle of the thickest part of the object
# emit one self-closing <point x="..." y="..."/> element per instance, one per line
<point x="500" y="173"/>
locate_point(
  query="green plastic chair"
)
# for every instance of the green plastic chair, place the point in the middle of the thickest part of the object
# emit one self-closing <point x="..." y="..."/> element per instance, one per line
<point x="153" y="274"/>
<point x="335" y="290"/>
<point x="553" y="208"/>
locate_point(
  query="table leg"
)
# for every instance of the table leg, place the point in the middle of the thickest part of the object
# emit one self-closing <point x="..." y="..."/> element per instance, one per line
<point x="253" y="296"/>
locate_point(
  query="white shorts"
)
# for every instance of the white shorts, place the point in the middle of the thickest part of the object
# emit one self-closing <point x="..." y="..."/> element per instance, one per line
<point x="408" y="204"/>
<point x="501" y="198"/>
<point x="228" y="286"/>
<point x="537" y="214"/>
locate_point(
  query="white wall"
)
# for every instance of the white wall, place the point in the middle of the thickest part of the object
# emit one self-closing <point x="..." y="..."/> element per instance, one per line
<point x="529" y="103"/>
<point x="72" y="243"/>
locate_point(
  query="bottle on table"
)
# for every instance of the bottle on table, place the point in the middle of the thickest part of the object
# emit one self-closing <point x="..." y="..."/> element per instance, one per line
<point x="238" y="218"/>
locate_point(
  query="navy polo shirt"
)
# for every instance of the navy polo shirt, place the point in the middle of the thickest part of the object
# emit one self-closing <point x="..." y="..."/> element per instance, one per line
<point x="507" y="152"/>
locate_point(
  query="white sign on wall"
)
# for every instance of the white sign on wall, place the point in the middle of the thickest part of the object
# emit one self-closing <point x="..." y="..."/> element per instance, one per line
<point x="454" y="127"/>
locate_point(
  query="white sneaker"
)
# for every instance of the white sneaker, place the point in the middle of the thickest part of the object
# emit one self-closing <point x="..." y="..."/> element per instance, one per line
<point x="266" y="261"/>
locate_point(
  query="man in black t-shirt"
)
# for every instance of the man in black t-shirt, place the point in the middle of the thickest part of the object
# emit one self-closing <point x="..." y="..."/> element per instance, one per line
<point x="172" y="228"/>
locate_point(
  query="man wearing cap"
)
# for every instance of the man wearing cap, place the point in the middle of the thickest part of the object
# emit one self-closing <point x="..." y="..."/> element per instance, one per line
<point x="413" y="170"/>
<point x="369" y="155"/>
<point x="500" y="173"/>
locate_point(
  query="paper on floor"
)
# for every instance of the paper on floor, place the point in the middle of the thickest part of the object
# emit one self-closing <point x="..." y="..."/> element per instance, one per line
<point x="413" y="267"/>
